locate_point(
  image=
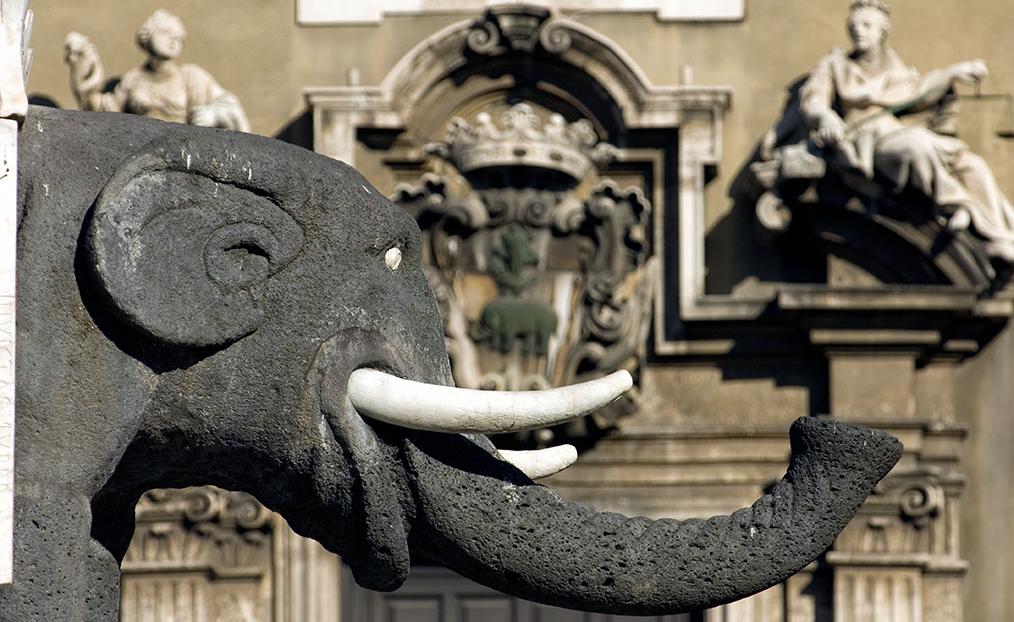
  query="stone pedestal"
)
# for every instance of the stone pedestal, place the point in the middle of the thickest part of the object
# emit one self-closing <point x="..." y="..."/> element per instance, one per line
<point x="8" y="239"/>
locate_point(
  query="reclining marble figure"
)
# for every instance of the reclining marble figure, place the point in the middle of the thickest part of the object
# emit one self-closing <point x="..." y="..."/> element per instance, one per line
<point x="866" y="113"/>
<point x="199" y="306"/>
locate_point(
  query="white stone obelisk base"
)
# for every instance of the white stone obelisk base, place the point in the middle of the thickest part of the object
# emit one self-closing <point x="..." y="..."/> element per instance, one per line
<point x="15" y="59"/>
<point x="8" y="260"/>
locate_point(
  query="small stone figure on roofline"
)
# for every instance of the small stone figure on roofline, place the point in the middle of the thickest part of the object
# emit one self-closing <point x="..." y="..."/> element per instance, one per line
<point x="860" y="104"/>
<point x="160" y="88"/>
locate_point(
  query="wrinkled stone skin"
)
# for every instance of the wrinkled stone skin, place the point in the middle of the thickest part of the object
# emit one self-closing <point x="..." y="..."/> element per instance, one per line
<point x="191" y="303"/>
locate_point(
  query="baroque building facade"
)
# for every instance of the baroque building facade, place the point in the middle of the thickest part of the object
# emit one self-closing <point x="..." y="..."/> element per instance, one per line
<point x="598" y="189"/>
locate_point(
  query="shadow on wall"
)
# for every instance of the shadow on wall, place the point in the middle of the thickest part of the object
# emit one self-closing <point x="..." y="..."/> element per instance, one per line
<point x="39" y="99"/>
<point x="810" y="374"/>
<point x="737" y="260"/>
<point x="298" y="131"/>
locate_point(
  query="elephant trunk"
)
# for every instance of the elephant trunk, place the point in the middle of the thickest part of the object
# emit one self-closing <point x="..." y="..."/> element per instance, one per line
<point x="486" y="521"/>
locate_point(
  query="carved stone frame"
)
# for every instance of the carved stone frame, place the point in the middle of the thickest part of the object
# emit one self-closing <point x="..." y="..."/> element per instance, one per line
<point x="694" y="113"/>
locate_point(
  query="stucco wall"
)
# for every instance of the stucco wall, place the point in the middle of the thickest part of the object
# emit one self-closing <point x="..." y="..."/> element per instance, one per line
<point x="986" y="404"/>
<point x="256" y="49"/>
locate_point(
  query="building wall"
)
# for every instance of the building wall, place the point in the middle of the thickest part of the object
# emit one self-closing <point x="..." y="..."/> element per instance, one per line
<point x="985" y="402"/>
<point x="255" y="49"/>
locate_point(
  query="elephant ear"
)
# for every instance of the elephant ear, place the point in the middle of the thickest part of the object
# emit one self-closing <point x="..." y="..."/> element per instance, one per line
<point x="182" y="242"/>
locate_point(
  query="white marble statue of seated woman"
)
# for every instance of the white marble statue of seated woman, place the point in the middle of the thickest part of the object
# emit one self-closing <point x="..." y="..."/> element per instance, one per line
<point x="160" y="88"/>
<point x="859" y="103"/>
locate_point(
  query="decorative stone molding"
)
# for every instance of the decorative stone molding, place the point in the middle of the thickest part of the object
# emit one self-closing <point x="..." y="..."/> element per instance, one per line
<point x="187" y="541"/>
<point x="324" y="12"/>
<point x="224" y="533"/>
<point x="907" y="515"/>
<point x="900" y="559"/>
<point x="209" y="555"/>
<point x="695" y="112"/>
<point x="540" y="284"/>
<point x="519" y="28"/>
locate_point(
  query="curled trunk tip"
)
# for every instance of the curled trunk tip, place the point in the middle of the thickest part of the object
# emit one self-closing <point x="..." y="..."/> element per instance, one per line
<point x="483" y="520"/>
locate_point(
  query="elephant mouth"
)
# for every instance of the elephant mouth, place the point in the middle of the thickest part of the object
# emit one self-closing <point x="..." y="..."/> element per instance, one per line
<point x="429" y="482"/>
<point x="372" y="412"/>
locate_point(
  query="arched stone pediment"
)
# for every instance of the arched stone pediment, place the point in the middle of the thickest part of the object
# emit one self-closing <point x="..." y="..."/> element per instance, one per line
<point x="896" y="250"/>
<point x="518" y="32"/>
<point x="533" y="53"/>
<point x="552" y="83"/>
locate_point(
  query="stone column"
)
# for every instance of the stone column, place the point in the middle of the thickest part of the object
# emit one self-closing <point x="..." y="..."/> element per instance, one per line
<point x="899" y="560"/>
<point x="8" y="239"/>
<point x="307" y="579"/>
<point x="767" y="606"/>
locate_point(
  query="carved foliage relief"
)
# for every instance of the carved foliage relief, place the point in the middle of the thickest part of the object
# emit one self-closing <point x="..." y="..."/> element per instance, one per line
<point x="910" y="514"/>
<point x="199" y="555"/>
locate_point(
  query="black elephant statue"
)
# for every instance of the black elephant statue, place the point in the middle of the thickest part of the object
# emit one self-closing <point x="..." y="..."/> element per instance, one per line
<point x="197" y="306"/>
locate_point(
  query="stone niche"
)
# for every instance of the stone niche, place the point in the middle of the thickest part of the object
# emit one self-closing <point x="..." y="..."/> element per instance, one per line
<point x="545" y="172"/>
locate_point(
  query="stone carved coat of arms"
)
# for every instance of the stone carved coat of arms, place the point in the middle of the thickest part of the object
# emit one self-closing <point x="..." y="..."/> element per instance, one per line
<point x="541" y="265"/>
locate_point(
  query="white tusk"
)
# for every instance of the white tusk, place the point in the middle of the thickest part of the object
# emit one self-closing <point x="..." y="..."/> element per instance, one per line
<point x="539" y="463"/>
<point x="438" y="408"/>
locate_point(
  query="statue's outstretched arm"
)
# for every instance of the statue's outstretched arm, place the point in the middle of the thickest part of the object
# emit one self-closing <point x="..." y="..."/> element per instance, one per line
<point x="87" y="76"/>
<point x="934" y="85"/>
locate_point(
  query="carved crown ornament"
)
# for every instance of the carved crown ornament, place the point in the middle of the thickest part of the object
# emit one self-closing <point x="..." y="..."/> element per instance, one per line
<point x="523" y="139"/>
<point x="517" y="28"/>
<point x="541" y="264"/>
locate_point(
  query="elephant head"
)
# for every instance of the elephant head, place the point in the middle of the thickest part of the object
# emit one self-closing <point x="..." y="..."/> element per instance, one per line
<point x="207" y="307"/>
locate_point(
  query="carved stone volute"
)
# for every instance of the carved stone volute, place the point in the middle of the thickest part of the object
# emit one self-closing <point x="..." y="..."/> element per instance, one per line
<point x="520" y="28"/>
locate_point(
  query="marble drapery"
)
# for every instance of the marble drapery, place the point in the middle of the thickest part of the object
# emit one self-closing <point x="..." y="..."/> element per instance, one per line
<point x="888" y="137"/>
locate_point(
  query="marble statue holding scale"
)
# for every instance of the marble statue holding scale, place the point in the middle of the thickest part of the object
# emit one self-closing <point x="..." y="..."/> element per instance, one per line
<point x="868" y="113"/>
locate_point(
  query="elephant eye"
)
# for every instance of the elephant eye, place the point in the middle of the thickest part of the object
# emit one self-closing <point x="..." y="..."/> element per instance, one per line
<point x="393" y="258"/>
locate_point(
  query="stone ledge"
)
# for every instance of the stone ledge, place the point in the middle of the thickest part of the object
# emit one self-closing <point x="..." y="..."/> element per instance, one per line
<point x="928" y="563"/>
<point x="337" y="12"/>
